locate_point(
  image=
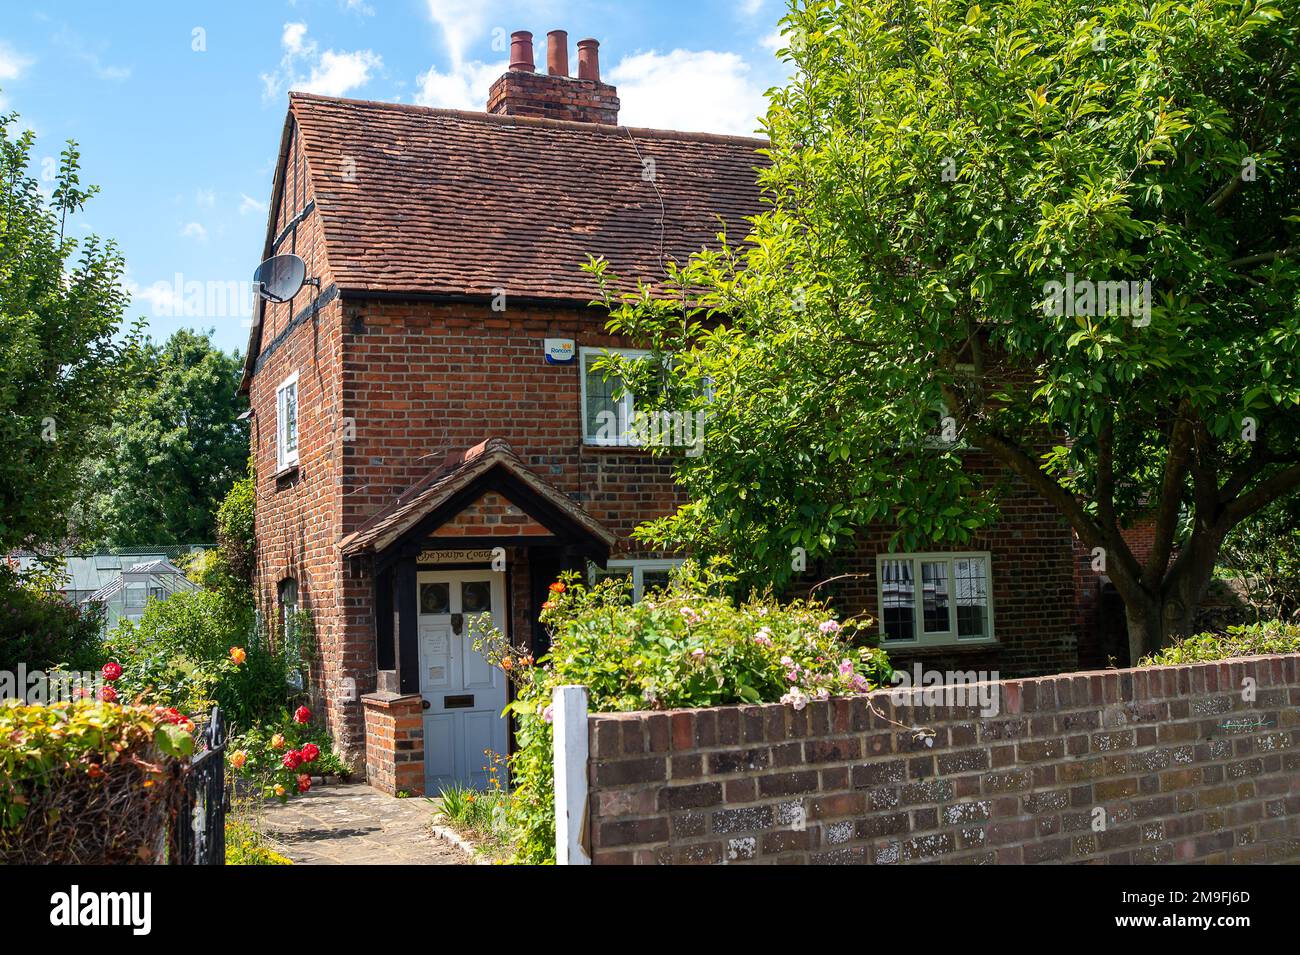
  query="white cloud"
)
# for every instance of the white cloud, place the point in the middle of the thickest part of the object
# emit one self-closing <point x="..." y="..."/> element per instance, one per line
<point x="205" y="198"/>
<point x="194" y="230"/>
<point x="332" y="73"/>
<point x="462" y="22"/>
<point x="357" y="6"/>
<point x="691" y="90"/>
<point x="337" y="73"/>
<point x="249" y="205"/>
<point x="12" y="63"/>
<point x="774" y="41"/>
<point x="750" y="7"/>
<point x="294" y="39"/>
<point x="160" y="296"/>
<point x="464" y="87"/>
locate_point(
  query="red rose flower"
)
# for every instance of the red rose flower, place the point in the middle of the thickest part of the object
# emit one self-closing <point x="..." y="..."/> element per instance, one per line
<point x="111" y="671"/>
<point x="292" y="759"/>
<point x="107" y="694"/>
<point x="309" y="752"/>
<point x="301" y="714"/>
<point x="304" y="783"/>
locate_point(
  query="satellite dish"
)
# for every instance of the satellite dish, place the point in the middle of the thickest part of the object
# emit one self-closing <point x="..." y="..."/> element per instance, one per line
<point x="280" y="277"/>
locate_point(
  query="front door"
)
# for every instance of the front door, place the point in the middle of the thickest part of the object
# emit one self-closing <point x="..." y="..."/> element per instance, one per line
<point x="463" y="694"/>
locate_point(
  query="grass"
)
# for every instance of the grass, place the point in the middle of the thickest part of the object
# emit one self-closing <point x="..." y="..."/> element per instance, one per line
<point x="480" y="817"/>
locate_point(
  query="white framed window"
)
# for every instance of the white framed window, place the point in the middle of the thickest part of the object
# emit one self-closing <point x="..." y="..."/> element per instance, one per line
<point x="286" y="423"/>
<point x="607" y="409"/>
<point x="935" y="599"/>
<point x="646" y="575"/>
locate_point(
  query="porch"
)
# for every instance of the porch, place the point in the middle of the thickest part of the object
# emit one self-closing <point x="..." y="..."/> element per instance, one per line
<point x="473" y="546"/>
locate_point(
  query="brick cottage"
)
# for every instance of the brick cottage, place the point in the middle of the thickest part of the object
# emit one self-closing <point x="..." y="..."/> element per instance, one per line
<point x="429" y="397"/>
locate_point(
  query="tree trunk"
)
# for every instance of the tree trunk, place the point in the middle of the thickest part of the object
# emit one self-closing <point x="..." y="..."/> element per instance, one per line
<point x="1157" y="620"/>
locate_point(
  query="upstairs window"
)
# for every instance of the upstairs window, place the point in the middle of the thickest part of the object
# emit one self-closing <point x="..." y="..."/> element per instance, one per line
<point x="286" y="423"/>
<point x="929" y="599"/>
<point x="607" y="406"/>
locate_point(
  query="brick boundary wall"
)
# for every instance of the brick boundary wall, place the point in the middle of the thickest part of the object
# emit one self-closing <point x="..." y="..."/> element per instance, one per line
<point x="1170" y="754"/>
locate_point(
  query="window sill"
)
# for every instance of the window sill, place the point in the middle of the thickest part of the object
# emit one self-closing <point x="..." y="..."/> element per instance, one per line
<point x="984" y="643"/>
<point x="287" y="472"/>
<point x="594" y="445"/>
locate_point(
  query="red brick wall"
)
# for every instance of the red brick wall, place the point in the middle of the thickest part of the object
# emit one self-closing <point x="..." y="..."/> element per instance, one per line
<point x="1033" y="587"/>
<point x="837" y="783"/>
<point x="394" y="743"/>
<point x="298" y="514"/>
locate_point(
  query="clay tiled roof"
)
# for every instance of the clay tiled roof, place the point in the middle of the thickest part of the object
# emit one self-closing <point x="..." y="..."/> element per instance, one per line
<point x="457" y="473"/>
<point x="460" y="203"/>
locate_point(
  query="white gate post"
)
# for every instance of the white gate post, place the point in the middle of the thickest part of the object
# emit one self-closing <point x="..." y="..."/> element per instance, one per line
<point x="569" y="729"/>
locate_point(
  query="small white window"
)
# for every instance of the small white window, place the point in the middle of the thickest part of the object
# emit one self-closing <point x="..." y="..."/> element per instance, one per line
<point x="607" y="408"/>
<point x="929" y="599"/>
<point x="286" y="423"/>
<point x="646" y="575"/>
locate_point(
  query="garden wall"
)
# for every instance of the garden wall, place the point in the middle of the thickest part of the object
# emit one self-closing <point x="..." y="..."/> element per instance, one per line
<point x="1161" y="765"/>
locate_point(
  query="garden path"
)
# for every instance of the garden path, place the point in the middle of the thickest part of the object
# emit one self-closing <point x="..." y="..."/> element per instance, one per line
<point x="355" y="824"/>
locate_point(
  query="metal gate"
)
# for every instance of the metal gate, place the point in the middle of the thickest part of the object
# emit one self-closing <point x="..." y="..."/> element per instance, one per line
<point x="198" y="831"/>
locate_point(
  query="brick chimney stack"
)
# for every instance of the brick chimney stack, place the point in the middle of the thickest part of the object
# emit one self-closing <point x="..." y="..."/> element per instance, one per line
<point x="524" y="92"/>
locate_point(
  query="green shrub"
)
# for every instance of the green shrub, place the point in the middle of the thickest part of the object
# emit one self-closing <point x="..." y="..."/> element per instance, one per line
<point x="87" y="782"/>
<point x="686" y="647"/>
<point x="235" y="540"/>
<point x="179" y="654"/>
<point x="1256" y="639"/>
<point x="40" y="629"/>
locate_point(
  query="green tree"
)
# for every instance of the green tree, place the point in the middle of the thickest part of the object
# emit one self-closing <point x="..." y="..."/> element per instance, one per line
<point x="61" y="351"/>
<point x="175" y="446"/>
<point x="935" y="168"/>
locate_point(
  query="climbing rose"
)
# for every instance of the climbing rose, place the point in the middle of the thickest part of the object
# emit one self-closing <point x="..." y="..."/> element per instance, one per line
<point x="301" y="714"/>
<point x="698" y="654"/>
<point x="795" y="698"/>
<point x="277" y="741"/>
<point x="292" y="759"/>
<point x="304" y="783"/>
<point x="548" y="714"/>
<point x="557" y="587"/>
<point x="279" y="790"/>
<point x="764" y="637"/>
<point x="237" y="655"/>
<point x="549" y="605"/>
<point x="238" y="758"/>
<point x="846" y="668"/>
<point x="111" y="671"/>
<point x="828" y="626"/>
<point x="309" y="752"/>
<point x="107" y="694"/>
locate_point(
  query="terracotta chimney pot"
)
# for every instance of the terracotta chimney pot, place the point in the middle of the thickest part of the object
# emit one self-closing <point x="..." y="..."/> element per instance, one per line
<point x="557" y="53"/>
<point x="589" y="60"/>
<point x="521" y="51"/>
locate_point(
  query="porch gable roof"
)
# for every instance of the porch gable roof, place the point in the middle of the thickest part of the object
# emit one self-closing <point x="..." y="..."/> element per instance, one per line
<point x="489" y="465"/>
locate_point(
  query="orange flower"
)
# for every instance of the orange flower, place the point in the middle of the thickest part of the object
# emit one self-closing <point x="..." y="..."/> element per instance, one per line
<point x="549" y="605"/>
<point x="237" y="655"/>
<point x="506" y="663"/>
<point x="238" y="758"/>
<point x="279" y="790"/>
<point x="93" y="771"/>
<point x="526" y="661"/>
<point x="557" y="587"/>
<point x="277" y="741"/>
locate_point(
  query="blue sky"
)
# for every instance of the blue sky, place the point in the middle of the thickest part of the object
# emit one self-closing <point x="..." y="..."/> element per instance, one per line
<point x="178" y="107"/>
